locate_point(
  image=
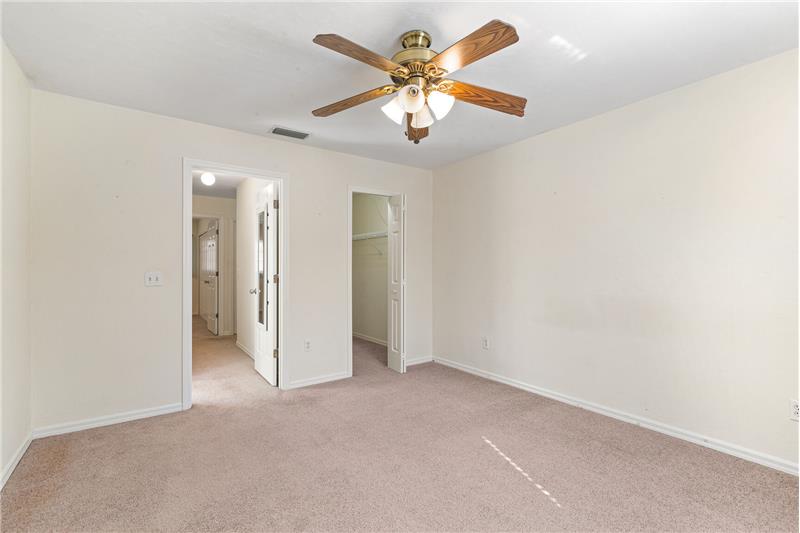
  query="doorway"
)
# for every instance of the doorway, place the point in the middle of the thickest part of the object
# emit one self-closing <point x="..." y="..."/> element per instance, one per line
<point x="376" y="279"/>
<point x="206" y="272"/>
<point x="233" y="267"/>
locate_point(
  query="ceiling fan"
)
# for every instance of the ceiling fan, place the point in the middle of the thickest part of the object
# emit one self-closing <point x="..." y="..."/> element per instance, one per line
<point x="419" y="77"/>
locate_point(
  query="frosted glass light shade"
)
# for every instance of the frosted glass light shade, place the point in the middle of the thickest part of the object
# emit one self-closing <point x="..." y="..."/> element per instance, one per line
<point x="411" y="98"/>
<point x="422" y="118"/>
<point x="440" y="103"/>
<point x="208" y="178"/>
<point x="394" y="110"/>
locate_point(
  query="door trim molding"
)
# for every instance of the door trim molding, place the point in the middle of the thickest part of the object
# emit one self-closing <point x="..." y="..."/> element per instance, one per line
<point x="188" y="164"/>
<point x="352" y="189"/>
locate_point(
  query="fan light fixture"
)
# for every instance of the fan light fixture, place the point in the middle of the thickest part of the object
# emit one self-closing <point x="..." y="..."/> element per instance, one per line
<point x="412" y="98"/>
<point x="208" y="178"/>
<point x="422" y="118"/>
<point x="394" y="110"/>
<point x="420" y="77"/>
<point x="440" y="103"/>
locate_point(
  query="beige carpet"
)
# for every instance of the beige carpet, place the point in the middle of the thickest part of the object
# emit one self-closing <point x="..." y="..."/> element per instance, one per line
<point x="432" y="450"/>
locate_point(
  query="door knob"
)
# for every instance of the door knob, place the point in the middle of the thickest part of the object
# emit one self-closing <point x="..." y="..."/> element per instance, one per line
<point x="253" y="291"/>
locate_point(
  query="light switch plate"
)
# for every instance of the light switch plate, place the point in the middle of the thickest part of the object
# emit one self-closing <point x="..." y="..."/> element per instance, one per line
<point x="153" y="279"/>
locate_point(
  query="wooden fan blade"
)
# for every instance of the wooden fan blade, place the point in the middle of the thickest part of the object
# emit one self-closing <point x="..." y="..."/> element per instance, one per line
<point x="486" y="40"/>
<point x="472" y="94"/>
<point x="414" y="134"/>
<point x="349" y="48"/>
<point x="353" y="101"/>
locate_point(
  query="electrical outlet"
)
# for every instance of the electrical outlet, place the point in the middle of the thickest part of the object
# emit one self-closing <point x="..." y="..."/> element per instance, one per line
<point x="153" y="279"/>
<point x="485" y="343"/>
<point x="307" y="345"/>
<point x="794" y="412"/>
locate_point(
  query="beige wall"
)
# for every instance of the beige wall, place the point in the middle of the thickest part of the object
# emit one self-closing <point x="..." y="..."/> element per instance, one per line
<point x="370" y="267"/>
<point x="223" y="209"/>
<point x="133" y="361"/>
<point x="15" y="364"/>
<point x="644" y="260"/>
<point x="203" y="224"/>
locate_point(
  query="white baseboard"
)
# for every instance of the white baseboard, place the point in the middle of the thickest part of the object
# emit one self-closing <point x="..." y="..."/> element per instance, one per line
<point x="243" y="348"/>
<point x="70" y="427"/>
<point x="419" y="360"/>
<point x="316" y="380"/>
<point x="14" y="461"/>
<point x="89" y="423"/>
<point x="368" y="338"/>
<point x="731" y="449"/>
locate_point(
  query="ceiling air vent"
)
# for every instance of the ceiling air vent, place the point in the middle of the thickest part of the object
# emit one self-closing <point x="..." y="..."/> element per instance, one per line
<point x="277" y="130"/>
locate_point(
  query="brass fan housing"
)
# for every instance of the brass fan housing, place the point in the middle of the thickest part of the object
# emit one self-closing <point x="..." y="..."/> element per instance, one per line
<point x="416" y="39"/>
<point x="415" y="53"/>
<point x="416" y="47"/>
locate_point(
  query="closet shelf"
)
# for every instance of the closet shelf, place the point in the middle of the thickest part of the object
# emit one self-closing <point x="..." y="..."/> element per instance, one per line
<point x="373" y="235"/>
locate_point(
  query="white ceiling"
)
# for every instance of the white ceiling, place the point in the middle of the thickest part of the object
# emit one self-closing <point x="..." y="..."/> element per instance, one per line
<point x="251" y="66"/>
<point x="224" y="186"/>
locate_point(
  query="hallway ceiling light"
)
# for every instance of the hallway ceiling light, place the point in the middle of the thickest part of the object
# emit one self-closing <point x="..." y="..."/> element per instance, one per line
<point x="419" y="77"/>
<point x="208" y="178"/>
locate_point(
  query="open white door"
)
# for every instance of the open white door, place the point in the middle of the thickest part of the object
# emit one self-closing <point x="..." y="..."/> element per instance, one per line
<point x="266" y="352"/>
<point x="208" y="306"/>
<point x="397" y="284"/>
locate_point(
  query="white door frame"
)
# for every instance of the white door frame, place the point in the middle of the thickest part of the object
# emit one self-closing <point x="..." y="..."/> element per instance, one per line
<point x="351" y="190"/>
<point x="185" y="183"/>
<point x="222" y="277"/>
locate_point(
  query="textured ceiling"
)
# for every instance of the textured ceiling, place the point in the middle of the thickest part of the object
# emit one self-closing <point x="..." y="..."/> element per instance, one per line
<point x="252" y="66"/>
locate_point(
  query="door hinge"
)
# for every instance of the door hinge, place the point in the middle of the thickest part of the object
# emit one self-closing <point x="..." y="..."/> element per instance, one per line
<point x="275" y="278"/>
<point x="216" y="316"/>
<point x="275" y="353"/>
<point x="275" y="203"/>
